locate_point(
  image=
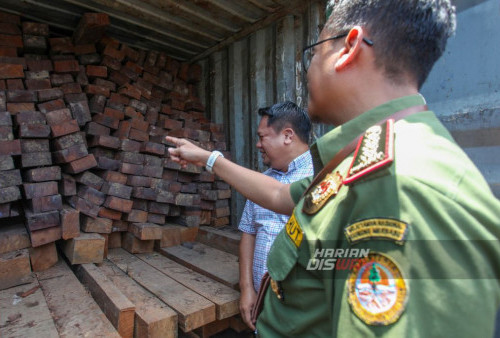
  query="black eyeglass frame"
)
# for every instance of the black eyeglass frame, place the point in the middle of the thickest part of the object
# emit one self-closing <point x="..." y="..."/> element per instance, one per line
<point x="305" y="67"/>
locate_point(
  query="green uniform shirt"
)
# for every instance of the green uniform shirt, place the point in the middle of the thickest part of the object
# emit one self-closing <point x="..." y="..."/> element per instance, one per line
<point x="449" y="258"/>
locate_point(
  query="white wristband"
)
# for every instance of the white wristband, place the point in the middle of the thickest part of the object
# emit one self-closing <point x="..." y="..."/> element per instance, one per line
<point x="211" y="160"/>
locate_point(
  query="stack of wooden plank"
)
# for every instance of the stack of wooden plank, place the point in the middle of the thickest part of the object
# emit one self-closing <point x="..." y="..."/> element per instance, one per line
<point x="14" y="241"/>
<point x="10" y="178"/>
<point x="83" y="156"/>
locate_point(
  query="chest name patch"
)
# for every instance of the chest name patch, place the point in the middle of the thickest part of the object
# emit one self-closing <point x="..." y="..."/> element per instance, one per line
<point x="374" y="151"/>
<point x="377" y="228"/>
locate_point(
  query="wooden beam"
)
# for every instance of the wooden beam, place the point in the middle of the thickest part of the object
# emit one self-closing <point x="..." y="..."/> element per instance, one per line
<point x="189" y="11"/>
<point x="213" y="328"/>
<point x="116" y="306"/>
<point x="295" y="7"/>
<point x="201" y="259"/>
<point x="43" y="257"/>
<point x="146" y="231"/>
<point x="134" y="245"/>
<point x="146" y="18"/>
<point x="86" y="248"/>
<point x="193" y="310"/>
<point x="227" y="239"/>
<point x="153" y="318"/>
<point x="30" y="317"/>
<point x="226" y="300"/>
<point x="76" y="312"/>
<point x="15" y="269"/>
<point x="13" y="237"/>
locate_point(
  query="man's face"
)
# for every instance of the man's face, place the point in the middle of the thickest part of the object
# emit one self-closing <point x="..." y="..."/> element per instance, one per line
<point x="270" y="144"/>
<point x="320" y="76"/>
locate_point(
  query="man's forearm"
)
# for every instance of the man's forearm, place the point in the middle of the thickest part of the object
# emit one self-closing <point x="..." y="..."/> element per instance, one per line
<point x="247" y="247"/>
<point x="259" y="188"/>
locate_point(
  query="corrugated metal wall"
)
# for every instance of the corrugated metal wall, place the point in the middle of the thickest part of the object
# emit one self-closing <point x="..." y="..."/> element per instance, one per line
<point x="255" y="72"/>
<point x="265" y="68"/>
<point x="464" y="87"/>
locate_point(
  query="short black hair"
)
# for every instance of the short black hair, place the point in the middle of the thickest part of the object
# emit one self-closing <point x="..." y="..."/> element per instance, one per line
<point x="288" y="113"/>
<point x="408" y="36"/>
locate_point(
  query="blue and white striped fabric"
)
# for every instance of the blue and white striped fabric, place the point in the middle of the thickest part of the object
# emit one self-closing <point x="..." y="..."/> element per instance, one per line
<point x="266" y="224"/>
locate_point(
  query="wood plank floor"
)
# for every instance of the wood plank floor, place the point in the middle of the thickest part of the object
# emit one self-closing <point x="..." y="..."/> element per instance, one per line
<point x="226" y="299"/>
<point x="191" y="294"/>
<point x="213" y="263"/>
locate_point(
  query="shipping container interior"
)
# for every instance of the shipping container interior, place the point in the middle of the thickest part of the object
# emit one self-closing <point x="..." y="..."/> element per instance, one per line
<point x="238" y="56"/>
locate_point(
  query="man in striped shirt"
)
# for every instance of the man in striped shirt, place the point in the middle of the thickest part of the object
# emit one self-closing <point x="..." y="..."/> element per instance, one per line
<point x="283" y="133"/>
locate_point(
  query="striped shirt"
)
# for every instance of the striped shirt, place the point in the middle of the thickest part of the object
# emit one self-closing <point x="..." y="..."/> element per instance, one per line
<point x="266" y="224"/>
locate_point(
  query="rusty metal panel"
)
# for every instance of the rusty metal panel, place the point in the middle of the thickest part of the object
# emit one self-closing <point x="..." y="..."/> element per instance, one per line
<point x="238" y="88"/>
<point x="285" y="60"/>
<point x="261" y="88"/>
<point x="262" y="69"/>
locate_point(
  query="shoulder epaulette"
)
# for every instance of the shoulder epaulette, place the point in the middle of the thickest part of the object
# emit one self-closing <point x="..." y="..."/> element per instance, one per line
<point x="374" y="151"/>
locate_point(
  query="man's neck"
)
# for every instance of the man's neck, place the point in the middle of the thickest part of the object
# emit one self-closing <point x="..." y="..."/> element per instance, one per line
<point x="297" y="150"/>
<point x="368" y="95"/>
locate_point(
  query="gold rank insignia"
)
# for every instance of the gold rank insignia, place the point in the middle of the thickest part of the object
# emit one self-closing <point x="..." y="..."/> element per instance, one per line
<point x="377" y="228"/>
<point x="374" y="151"/>
<point x="322" y="192"/>
<point x="377" y="291"/>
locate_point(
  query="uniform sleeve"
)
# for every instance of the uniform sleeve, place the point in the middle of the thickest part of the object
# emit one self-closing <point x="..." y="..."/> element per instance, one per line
<point x="247" y="223"/>
<point x="297" y="188"/>
<point x="440" y="280"/>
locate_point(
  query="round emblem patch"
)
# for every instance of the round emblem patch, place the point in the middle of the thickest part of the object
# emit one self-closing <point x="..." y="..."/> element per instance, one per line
<point x="377" y="291"/>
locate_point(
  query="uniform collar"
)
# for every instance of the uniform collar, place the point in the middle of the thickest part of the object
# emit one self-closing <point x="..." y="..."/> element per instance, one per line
<point x="332" y="142"/>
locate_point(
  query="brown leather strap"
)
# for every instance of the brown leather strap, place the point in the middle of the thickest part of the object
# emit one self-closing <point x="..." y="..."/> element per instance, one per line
<point x="259" y="303"/>
<point x="344" y="152"/>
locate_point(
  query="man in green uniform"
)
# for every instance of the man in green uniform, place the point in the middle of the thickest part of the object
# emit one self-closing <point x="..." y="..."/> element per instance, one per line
<point x="398" y="233"/>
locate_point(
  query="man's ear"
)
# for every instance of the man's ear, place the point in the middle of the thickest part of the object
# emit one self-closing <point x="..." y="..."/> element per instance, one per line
<point x="289" y="135"/>
<point x="352" y="47"/>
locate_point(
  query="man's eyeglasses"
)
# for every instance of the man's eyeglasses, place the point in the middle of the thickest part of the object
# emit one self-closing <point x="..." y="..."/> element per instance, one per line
<point x="307" y="51"/>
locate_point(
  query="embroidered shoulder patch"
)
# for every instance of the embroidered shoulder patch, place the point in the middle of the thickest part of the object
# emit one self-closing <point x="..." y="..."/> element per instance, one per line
<point x="377" y="291"/>
<point x="294" y="231"/>
<point x="377" y="228"/>
<point x="374" y="151"/>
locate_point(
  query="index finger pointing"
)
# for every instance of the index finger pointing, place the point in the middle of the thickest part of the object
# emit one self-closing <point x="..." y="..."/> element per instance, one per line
<point x="173" y="140"/>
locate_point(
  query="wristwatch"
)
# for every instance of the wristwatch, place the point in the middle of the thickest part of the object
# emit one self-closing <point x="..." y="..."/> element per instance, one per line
<point x="211" y="160"/>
